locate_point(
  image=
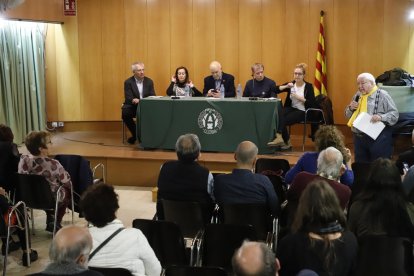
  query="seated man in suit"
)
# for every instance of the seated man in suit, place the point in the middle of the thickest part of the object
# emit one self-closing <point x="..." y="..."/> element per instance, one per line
<point x="218" y="79"/>
<point x="244" y="186"/>
<point x="69" y="253"/>
<point x="135" y="88"/>
<point x="330" y="168"/>
<point x="185" y="179"/>
<point x="260" y="86"/>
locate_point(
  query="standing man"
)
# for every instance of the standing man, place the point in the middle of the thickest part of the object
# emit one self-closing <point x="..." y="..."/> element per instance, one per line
<point x="136" y="88"/>
<point x="260" y="86"/>
<point x="379" y="104"/>
<point x="218" y="78"/>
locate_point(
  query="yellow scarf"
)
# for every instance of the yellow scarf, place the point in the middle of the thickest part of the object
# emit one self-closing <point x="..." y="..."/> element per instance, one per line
<point x="362" y="106"/>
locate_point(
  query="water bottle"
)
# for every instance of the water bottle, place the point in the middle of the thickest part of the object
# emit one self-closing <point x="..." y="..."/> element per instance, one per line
<point x="187" y="91"/>
<point x="292" y="91"/>
<point x="222" y="91"/>
<point x="239" y="91"/>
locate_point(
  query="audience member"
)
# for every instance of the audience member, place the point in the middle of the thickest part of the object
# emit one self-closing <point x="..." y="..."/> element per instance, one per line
<point x="217" y="80"/>
<point x="259" y="86"/>
<point x="381" y="208"/>
<point x="406" y="157"/>
<point x="38" y="162"/>
<point x="136" y="88"/>
<point x="9" y="157"/>
<point x="326" y="136"/>
<point x="299" y="98"/>
<point x="184" y="179"/>
<point x="255" y="258"/>
<point x="180" y="81"/>
<point x="69" y="253"/>
<point x="378" y="103"/>
<point x="244" y="186"/>
<point x="129" y="248"/>
<point x="319" y="241"/>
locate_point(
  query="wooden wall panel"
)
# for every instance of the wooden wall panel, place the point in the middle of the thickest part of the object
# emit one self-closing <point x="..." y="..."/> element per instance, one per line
<point x="204" y="22"/>
<point x="227" y="36"/>
<point x="158" y="65"/>
<point x="91" y="59"/>
<point x="50" y="71"/>
<point x="250" y="37"/>
<point x="113" y="58"/>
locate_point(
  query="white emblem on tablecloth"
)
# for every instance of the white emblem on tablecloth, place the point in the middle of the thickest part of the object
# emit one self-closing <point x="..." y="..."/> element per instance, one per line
<point x="210" y="121"/>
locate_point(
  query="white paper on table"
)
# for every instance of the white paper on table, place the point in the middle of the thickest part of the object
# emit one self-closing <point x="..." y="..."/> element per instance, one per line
<point x="363" y="123"/>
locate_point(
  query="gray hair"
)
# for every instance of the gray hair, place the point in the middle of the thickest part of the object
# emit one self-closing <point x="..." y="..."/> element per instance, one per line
<point x="268" y="265"/>
<point x="134" y="65"/>
<point x="246" y="152"/>
<point x="367" y="76"/>
<point x="71" y="252"/>
<point x="330" y="161"/>
<point x="188" y="147"/>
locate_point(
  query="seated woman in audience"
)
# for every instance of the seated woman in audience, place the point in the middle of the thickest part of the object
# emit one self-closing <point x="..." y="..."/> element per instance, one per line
<point x="129" y="248"/>
<point x="38" y="162"/>
<point x="381" y="208"/>
<point x="326" y="136"/>
<point x="319" y="240"/>
<point x="180" y="82"/>
<point x="9" y="157"/>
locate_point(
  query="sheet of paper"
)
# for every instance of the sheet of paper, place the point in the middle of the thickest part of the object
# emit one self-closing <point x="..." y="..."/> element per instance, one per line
<point x="363" y="123"/>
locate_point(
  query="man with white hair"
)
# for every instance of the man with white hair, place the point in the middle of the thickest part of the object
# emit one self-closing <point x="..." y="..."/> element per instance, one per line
<point x="378" y="103"/>
<point x="136" y="88"/>
<point x="69" y="253"/>
<point x="217" y="81"/>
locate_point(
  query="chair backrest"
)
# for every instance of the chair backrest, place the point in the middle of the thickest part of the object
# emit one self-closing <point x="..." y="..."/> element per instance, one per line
<point x="188" y="215"/>
<point x="195" y="270"/>
<point x="166" y="240"/>
<point x="383" y="255"/>
<point x="35" y="191"/>
<point x="256" y="215"/>
<point x="361" y="171"/>
<point x="221" y="240"/>
<point x="272" y="166"/>
<point x="113" y="271"/>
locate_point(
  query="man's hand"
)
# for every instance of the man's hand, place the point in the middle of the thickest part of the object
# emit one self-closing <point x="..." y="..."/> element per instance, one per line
<point x="135" y="100"/>
<point x="375" y="118"/>
<point x="213" y="93"/>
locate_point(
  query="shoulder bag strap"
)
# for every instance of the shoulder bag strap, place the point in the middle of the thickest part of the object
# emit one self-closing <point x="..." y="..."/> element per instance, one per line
<point x="93" y="253"/>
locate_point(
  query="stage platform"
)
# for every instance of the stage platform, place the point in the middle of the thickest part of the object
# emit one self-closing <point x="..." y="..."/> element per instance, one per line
<point x="128" y="165"/>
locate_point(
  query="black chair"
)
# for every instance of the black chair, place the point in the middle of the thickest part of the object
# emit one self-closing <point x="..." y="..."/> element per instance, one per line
<point x="256" y="215"/>
<point x="382" y="255"/>
<point x="35" y="192"/>
<point x="106" y="271"/>
<point x="194" y="270"/>
<point x="361" y="171"/>
<point x="166" y="240"/>
<point x="221" y="240"/>
<point x="275" y="169"/>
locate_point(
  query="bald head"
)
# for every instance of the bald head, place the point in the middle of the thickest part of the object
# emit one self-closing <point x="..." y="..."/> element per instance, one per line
<point x="215" y="69"/>
<point x="69" y="244"/>
<point x="254" y="258"/>
<point x="246" y="154"/>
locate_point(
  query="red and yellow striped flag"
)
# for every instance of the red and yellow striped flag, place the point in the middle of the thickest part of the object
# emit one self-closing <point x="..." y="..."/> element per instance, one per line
<point x="320" y="83"/>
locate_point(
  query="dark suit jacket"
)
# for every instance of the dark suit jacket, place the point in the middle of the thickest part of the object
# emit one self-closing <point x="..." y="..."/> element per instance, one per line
<point x="131" y="90"/>
<point x="9" y="160"/>
<point x="227" y="81"/>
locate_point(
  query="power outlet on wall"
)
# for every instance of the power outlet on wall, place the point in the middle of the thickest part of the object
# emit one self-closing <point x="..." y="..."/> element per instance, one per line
<point x="54" y="124"/>
<point x="61" y="124"/>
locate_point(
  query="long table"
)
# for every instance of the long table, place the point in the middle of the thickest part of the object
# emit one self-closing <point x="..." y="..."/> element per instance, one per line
<point x="221" y="124"/>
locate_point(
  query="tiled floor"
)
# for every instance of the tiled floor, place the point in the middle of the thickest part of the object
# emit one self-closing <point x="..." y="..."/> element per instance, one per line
<point x="134" y="202"/>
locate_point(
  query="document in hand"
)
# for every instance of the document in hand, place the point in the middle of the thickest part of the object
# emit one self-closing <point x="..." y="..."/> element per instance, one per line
<point x="363" y="123"/>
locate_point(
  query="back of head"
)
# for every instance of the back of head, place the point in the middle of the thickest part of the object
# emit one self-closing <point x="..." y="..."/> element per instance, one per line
<point x="254" y="259"/>
<point x="330" y="136"/>
<point x="69" y="244"/>
<point x="99" y="204"/>
<point x="6" y="134"/>
<point x="383" y="176"/>
<point x="246" y="153"/>
<point x="330" y="162"/>
<point x="35" y="140"/>
<point x="188" y="147"/>
<point x="318" y="207"/>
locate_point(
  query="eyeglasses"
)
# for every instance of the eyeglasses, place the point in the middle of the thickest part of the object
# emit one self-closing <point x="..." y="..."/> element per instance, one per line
<point x="298" y="74"/>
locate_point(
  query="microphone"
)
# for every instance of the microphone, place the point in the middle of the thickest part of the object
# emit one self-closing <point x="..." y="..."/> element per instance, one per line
<point x="357" y="98"/>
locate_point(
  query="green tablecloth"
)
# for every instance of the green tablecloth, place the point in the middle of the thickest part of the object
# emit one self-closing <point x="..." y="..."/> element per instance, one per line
<point x="221" y="124"/>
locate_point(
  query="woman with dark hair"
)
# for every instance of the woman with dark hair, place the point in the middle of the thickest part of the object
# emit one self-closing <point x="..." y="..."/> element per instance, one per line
<point x="9" y="160"/>
<point x="326" y="136"/>
<point x="128" y="248"/>
<point x="319" y="240"/>
<point x="38" y="162"/>
<point x="381" y="208"/>
<point x="181" y="82"/>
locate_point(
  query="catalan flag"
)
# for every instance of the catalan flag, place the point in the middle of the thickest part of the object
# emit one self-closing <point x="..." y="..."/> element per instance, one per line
<point x="320" y="83"/>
